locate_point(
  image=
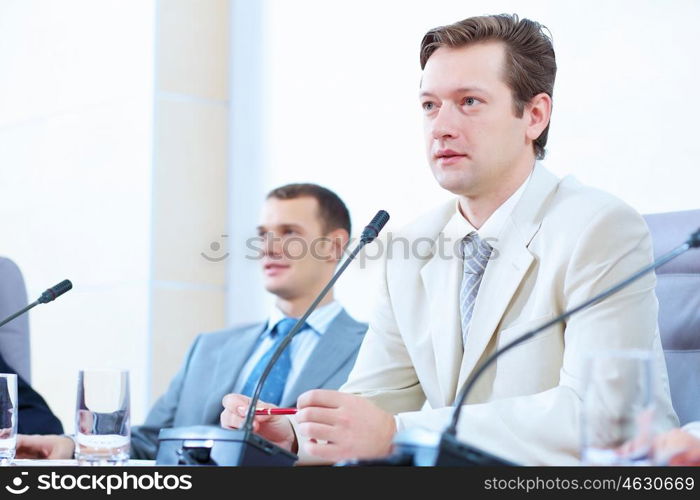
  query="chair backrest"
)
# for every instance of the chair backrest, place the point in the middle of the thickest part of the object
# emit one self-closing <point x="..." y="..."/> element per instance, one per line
<point x="678" y="291"/>
<point x="14" y="336"/>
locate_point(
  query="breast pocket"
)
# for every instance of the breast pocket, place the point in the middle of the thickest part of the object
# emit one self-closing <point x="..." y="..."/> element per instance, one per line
<point x="532" y="366"/>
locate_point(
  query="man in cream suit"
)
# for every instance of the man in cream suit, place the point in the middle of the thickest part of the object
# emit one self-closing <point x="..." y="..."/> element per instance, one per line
<point x="303" y="233"/>
<point x="532" y="246"/>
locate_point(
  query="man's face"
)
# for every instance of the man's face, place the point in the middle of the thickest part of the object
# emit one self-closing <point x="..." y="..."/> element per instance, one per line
<point x="472" y="135"/>
<point x="296" y="256"/>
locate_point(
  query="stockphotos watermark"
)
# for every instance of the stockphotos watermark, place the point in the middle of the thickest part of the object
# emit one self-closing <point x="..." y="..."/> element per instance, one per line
<point x="101" y="482"/>
<point x="297" y="248"/>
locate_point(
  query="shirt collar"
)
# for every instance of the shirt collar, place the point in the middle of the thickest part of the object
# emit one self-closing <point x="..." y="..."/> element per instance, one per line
<point x="458" y="226"/>
<point x="319" y="320"/>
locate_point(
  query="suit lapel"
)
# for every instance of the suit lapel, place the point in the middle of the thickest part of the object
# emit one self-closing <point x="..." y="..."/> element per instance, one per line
<point x="335" y="346"/>
<point x="441" y="277"/>
<point x="506" y="270"/>
<point x="500" y="282"/>
<point x="231" y="359"/>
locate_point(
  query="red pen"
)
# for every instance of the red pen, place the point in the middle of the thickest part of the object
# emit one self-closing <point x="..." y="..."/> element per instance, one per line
<point x="275" y="411"/>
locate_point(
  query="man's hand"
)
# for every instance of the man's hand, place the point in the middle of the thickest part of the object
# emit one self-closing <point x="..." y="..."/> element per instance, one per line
<point x="50" y="446"/>
<point x="342" y="426"/>
<point x="677" y="447"/>
<point x="274" y="428"/>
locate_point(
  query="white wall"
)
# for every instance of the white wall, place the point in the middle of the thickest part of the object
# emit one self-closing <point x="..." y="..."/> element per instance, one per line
<point x="76" y="99"/>
<point x="340" y="102"/>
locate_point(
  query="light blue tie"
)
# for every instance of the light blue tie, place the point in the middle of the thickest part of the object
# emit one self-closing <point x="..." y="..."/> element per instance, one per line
<point x="273" y="388"/>
<point x="476" y="254"/>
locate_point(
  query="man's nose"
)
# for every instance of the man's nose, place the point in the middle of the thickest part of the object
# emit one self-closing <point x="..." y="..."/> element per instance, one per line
<point x="272" y="244"/>
<point x="444" y="124"/>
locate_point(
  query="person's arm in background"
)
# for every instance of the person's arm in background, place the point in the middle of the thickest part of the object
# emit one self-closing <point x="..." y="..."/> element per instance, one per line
<point x="34" y="415"/>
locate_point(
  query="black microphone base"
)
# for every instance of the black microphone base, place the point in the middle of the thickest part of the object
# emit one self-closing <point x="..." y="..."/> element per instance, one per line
<point x="453" y="453"/>
<point x="214" y="446"/>
<point x="422" y="448"/>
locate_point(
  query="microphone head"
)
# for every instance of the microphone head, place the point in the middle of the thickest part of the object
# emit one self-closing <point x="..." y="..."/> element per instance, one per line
<point x="55" y="292"/>
<point x="372" y="229"/>
<point x="694" y="240"/>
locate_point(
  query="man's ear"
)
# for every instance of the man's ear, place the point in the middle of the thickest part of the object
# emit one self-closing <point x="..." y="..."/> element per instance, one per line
<point x="339" y="240"/>
<point x="538" y="112"/>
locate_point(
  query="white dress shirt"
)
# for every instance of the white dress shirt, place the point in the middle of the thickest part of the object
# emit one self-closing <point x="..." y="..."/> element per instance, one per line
<point x="458" y="226"/>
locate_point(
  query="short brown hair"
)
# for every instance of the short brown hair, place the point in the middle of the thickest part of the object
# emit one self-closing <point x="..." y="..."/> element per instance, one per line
<point x="332" y="211"/>
<point x="530" y="66"/>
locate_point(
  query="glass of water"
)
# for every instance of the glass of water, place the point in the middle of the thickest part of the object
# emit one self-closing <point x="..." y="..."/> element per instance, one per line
<point x="102" y="426"/>
<point x="8" y="417"/>
<point x="617" y="418"/>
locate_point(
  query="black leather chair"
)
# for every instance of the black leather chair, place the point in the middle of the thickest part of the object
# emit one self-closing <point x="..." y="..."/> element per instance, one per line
<point x="678" y="291"/>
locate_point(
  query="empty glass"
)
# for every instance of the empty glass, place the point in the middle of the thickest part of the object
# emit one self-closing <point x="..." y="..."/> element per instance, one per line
<point x="618" y="409"/>
<point x="8" y="417"/>
<point x="102" y="425"/>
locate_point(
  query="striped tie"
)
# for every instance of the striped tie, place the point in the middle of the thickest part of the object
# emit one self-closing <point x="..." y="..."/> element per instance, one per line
<point x="475" y="254"/>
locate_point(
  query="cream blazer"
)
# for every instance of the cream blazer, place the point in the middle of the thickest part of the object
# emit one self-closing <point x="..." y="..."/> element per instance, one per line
<point x="563" y="243"/>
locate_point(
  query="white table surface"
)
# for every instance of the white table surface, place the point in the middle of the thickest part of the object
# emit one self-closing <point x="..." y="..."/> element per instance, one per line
<point x="73" y="463"/>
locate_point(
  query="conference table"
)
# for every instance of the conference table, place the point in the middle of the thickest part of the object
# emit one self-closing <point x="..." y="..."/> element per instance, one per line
<point x="22" y="462"/>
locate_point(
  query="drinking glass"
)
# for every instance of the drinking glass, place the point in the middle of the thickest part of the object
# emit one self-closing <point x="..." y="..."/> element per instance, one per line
<point x="618" y="408"/>
<point x="8" y="417"/>
<point x="102" y="426"/>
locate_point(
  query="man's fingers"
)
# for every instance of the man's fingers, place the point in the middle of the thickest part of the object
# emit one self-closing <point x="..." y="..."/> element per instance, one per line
<point x="32" y="446"/>
<point x="230" y="420"/>
<point x="327" y="416"/>
<point x="325" y="451"/>
<point x="317" y="431"/>
<point x="50" y="446"/>
<point x="30" y="452"/>
<point x="233" y="401"/>
<point x="63" y="448"/>
<point x="234" y="419"/>
<point x="321" y="397"/>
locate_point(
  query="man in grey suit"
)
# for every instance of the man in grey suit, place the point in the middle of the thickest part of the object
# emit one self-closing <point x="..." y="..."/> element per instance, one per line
<point x="302" y="236"/>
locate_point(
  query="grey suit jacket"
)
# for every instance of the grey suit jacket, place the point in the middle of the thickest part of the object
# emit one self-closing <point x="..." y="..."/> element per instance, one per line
<point x="213" y="363"/>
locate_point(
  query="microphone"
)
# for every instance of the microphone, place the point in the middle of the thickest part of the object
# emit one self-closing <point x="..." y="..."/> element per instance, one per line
<point x="49" y="295"/>
<point x="243" y="447"/>
<point x="421" y="447"/>
<point x="372" y="229"/>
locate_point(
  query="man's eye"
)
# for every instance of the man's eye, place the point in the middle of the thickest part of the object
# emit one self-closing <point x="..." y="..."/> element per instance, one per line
<point x="428" y="106"/>
<point x="470" y="101"/>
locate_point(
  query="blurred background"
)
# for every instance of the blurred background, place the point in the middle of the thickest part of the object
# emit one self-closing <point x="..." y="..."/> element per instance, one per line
<point x="139" y="137"/>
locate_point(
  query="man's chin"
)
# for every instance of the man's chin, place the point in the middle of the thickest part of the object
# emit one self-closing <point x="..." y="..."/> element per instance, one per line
<point x="457" y="186"/>
<point x="456" y="181"/>
<point x="276" y="287"/>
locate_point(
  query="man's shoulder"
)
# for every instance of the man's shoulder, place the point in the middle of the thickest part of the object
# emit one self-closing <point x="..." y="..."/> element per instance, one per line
<point x="429" y="223"/>
<point x="579" y="204"/>
<point x="344" y="320"/>
<point x="219" y="337"/>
